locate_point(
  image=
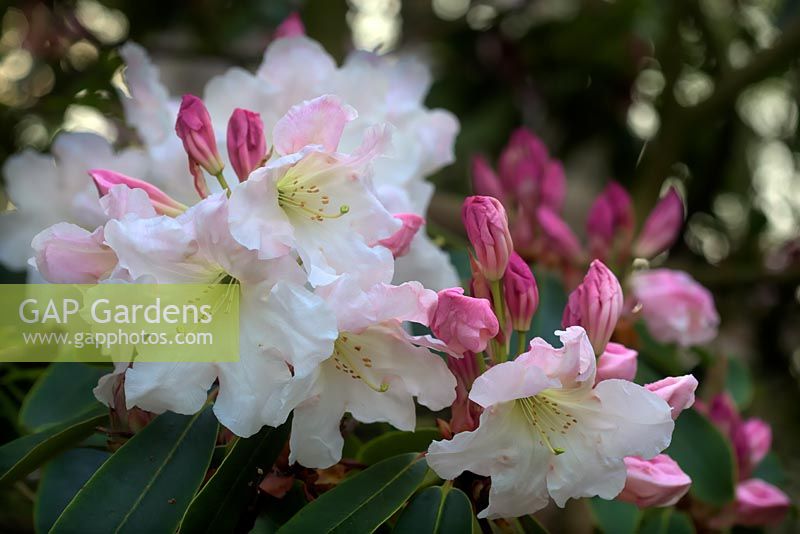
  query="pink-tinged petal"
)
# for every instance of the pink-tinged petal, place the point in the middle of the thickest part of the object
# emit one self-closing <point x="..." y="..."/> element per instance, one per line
<point x="121" y="200"/>
<point x="68" y="254"/>
<point x="758" y="435"/>
<point x="464" y="323"/>
<point x="163" y="204"/>
<point x="146" y="100"/>
<point x="677" y="391"/>
<point x="573" y="364"/>
<point x="292" y="26"/>
<point x="486" y="223"/>
<point x="759" y="503"/>
<point x="617" y="361"/>
<point x="314" y="122"/>
<point x="657" y="482"/>
<point x="662" y="227"/>
<point x="484" y="180"/>
<point x="509" y="381"/>
<point x="596" y="305"/>
<point x="675" y="307"/>
<point x="400" y="241"/>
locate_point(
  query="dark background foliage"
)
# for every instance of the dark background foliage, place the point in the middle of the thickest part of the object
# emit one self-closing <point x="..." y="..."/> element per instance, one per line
<point x="703" y="93"/>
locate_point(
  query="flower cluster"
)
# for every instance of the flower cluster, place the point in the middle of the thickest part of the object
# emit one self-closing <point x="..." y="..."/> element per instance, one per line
<point x="551" y="422"/>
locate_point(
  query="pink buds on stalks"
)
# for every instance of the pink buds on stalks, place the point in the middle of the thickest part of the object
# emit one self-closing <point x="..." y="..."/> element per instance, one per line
<point x="521" y="293"/>
<point x="400" y="241"/>
<point x="194" y="129"/>
<point x="487" y="229"/>
<point x="463" y="323"/>
<point x="656" y="482"/>
<point x="662" y="227"/>
<point x="163" y="203"/>
<point x="247" y="146"/>
<point x="595" y="305"/>
<point x="484" y="179"/>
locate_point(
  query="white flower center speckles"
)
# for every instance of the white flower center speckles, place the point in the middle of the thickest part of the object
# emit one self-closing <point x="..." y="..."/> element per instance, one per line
<point x="350" y="357"/>
<point x="548" y="419"/>
<point x="301" y="195"/>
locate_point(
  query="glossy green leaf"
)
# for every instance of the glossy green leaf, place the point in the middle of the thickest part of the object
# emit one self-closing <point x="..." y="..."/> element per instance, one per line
<point x="615" y="517"/>
<point x="233" y="488"/>
<point x="62" y="393"/>
<point x="23" y="455"/>
<point x="147" y="484"/>
<point x="706" y="456"/>
<point x="739" y="383"/>
<point x="396" y="442"/>
<point x="770" y="470"/>
<point x="364" y="502"/>
<point x="666" y="521"/>
<point x="436" y="510"/>
<point x="531" y="525"/>
<point x="61" y="479"/>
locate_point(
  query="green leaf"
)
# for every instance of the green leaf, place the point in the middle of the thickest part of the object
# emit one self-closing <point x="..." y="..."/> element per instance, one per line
<point x="770" y="470"/>
<point x="62" y="393"/>
<point x="396" y="442"/>
<point x="739" y="383"/>
<point x="666" y="521"/>
<point x="436" y="510"/>
<point x="61" y="479"/>
<point x="615" y="517"/>
<point x="233" y="488"/>
<point x="552" y="299"/>
<point x="23" y="455"/>
<point x="706" y="456"/>
<point x="364" y="502"/>
<point x="147" y="484"/>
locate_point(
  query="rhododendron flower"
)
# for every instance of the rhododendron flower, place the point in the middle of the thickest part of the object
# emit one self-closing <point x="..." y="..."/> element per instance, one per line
<point x="675" y="307"/>
<point x="548" y="431"/>
<point x="281" y="322"/>
<point x="46" y="190"/>
<point x="463" y="323"/>
<point x="659" y="481"/>
<point x="315" y="199"/>
<point x="373" y="371"/>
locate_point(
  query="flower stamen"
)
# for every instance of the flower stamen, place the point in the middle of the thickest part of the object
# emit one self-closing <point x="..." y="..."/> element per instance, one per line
<point x="345" y="356"/>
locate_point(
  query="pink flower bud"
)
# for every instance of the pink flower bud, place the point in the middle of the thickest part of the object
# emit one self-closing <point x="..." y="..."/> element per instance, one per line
<point x="553" y="187"/>
<point x="464" y="412"/>
<point x="487" y="229"/>
<point x="677" y="391"/>
<point x="595" y="305"/>
<point x="620" y="202"/>
<point x="558" y="234"/>
<point x="522" y="164"/>
<point x="194" y="129"/>
<point x="292" y="26"/>
<point x="484" y="179"/>
<point x="721" y="410"/>
<point x="162" y="203"/>
<point x="675" y="307"/>
<point x="600" y="226"/>
<point x="656" y="482"/>
<point x="247" y="146"/>
<point x="758" y="436"/>
<point x="400" y="241"/>
<point x="478" y="284"/>
<point x="463" y="323"/>
<point x="68" y="254"/>
<point x="521" y="293"/>
<point x="617" y="361"/>
<point x="662" y="227"/>
<point x="760" y="503"/>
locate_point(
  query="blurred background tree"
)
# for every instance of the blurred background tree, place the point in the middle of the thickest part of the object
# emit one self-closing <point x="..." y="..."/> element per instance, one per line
<point x="700" y="93"/>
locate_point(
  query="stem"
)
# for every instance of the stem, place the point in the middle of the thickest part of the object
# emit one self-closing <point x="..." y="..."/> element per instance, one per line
<point x="481" y="357"/>
<point x="522" y="338"/>
<point x="224" y="184"/>
<point x="501" y="349"/>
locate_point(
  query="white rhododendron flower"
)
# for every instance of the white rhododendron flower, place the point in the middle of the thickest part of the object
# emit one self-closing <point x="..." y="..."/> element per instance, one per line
<point x="315" y="199"/>
<point x="281" y="322"/>
<point x="374" y="371"/>
<point x="547" y="431"/>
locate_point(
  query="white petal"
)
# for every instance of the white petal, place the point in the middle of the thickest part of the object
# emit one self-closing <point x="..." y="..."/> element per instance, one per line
<point x="427" y="263"/>
<point x="314" y="122"/>
<point x="181" y="387"/>
<point x="316" y="440"/>
<point x="297" y="67"/>
<point x="122" y="200"/>
<point x="509" y="381"/>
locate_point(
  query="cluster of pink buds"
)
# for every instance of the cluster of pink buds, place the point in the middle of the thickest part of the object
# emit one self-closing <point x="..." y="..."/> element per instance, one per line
<point x="531" y="185"/>
<point x="246" y="143"/>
